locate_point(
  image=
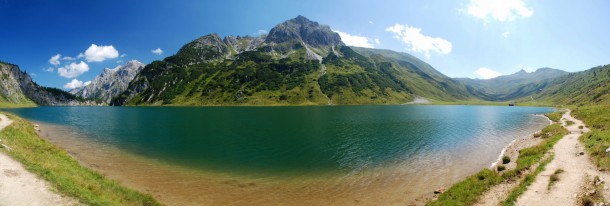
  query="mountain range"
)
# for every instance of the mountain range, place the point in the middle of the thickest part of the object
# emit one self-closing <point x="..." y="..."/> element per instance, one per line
<point x="110" y="83"/>
<point x="300" y="62"/>
<point x="513" y="86"/>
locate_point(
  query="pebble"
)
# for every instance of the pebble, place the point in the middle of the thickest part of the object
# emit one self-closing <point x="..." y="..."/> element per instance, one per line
<point x="439" y="191"/>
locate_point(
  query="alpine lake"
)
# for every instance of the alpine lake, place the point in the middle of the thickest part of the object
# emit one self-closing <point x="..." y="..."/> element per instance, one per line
<point x="301" y="155"/>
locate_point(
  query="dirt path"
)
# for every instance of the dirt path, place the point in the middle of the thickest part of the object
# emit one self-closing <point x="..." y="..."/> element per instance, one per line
<point x="570" y="157"/>
<point x="20" y="187"/>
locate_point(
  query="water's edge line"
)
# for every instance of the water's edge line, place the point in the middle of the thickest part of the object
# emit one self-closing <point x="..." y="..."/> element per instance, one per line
<point x="493" y="164"/>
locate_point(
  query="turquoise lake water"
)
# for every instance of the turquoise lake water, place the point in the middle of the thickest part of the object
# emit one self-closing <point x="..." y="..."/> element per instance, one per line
<point x="270" y="141"/>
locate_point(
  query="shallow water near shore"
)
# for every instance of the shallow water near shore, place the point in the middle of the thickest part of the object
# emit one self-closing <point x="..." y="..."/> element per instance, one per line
<point x="339" y="155"/>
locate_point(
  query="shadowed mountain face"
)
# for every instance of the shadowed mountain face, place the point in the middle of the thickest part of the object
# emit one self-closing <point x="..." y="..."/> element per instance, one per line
<point x="17" y="87"/>
<point x="299" y="62"/>
<point x="514" y="86"/>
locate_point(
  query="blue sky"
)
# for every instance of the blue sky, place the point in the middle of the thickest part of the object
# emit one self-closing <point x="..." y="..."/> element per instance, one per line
<point x="460" y="38"/>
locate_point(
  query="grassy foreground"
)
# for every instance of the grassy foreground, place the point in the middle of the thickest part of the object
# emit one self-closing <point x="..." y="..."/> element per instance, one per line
<point x="63" y="172"/>
<point x="598" y="140"/>
<point x="468" y="192"/>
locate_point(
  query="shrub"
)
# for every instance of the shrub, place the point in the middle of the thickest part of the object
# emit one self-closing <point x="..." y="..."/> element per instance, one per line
<point x="501" y="168"/>
<point x="505" y="160"/>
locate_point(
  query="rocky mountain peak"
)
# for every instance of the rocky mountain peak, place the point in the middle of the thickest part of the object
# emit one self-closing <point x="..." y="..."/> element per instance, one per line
<point x="304" y="30"/>
<point x="204" y="49"/>
<point x="111" y="82"/>
<point x="208" y="40"/>
<point x="246" y="43"/>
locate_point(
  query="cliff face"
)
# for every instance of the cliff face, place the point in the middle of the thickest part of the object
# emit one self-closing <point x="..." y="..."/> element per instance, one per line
<point x="17" y="87"/>
<point x="110" y="83"/>
<point x="301" y="29"/>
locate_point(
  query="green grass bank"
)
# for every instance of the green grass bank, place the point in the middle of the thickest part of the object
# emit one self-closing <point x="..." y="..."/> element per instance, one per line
<point x="63" y="172"/>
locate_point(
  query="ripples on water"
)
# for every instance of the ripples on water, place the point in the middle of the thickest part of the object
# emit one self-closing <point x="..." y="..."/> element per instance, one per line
<point x="288" y="155"/>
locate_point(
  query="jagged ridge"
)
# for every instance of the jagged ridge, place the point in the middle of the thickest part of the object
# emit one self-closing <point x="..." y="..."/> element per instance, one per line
<point x="110" y="83"/>
<point x="298" y="62"/>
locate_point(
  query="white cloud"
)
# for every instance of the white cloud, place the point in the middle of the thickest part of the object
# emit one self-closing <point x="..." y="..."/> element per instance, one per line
<point x="33" y="74"/>
<point x="157" y="51"/>
<point x="54" y="60"/>
<point x="419" y="42"/>
<point x="505" y="34"/>
<point x="353" y="40"/>
<point x="377" y="41"/>
<point x="80" y="55"/>
<point x="500" y="10"/>
<point x="485" y="73"/>
<point x="50" y="69"/>
<point x="68" y="58"/>
<point x="123" y="55"/>
<point x="262" y="31"/>
<point x="73" y="69"/>
<point x="86" y="83"/>
<point x="97" y="53"/>
<point x="371" y="22"/>
<point x="75" y="83"/>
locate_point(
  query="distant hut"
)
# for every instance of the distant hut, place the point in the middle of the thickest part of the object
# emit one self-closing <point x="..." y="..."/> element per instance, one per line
<point x="511" y="104"/>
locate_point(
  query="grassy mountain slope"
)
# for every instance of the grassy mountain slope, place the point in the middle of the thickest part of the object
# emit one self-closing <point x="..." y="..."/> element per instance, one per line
<point x="421" y="78"/>
<point x="300" y="62"/>
<point x="514" y="86"/>
<point x="590" y="87"/>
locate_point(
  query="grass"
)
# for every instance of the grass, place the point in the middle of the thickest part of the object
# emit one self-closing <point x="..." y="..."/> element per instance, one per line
<point x="512" y="197"/>
<point x="13" y="105"/>
<point x="63" y="172"/>
<point x="532" y="155"/>
<point x="568" y="123"/>
<point x="468" y="191"/>
<point x="554" y="178"/>
<point x="598" y="140"/>
<point x="555" y="116"/>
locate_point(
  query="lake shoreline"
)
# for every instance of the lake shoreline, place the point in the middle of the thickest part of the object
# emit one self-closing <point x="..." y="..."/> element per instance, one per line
<point x="76" y="183"/>
<point x="512" y="149"/>
<point x="389" y="184"/>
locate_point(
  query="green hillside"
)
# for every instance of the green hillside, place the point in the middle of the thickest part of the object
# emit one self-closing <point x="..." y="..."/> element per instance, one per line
<point x="514" y="86"/>
<point x="300" y="62"/>
<point x="589" y="87"/>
